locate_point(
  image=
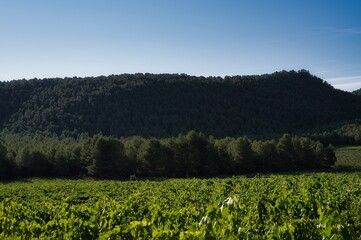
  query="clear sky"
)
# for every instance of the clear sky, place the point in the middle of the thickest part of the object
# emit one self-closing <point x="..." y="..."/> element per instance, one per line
<point x="49" y="38"/>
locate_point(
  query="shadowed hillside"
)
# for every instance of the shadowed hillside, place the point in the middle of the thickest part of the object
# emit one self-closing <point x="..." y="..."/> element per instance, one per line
<point x="357" y="92"/>
<point x="163" y="105"/>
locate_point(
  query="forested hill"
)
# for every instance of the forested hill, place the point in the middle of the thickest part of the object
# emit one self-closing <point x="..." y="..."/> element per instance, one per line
<point x="163" y="105"/>
<point x="357" y="92"/>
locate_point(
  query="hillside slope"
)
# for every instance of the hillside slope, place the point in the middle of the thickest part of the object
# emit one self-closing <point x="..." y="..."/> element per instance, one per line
<point x="357" y="92"/>
<point x="163" y="105"/>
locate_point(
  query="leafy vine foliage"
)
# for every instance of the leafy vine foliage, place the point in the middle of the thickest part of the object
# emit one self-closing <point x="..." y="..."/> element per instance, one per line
<point x="302" y="206"/>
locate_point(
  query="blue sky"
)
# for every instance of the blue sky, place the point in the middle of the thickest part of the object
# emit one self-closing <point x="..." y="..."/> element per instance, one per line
<point x="48" y="38"/>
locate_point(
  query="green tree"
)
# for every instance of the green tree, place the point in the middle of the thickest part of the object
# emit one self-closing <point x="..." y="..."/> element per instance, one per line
<point x="267" y="158"/>
<point x="33" y="163"/>
<point x="154" y="157"/>
<point x="131" y="148"/>
<point x="198" y="153"/>
<point x="330" y="158"/>
<point x="108" y="158"/>
<point x="224" y="160"/>
<point x="4" y="164"/>
<point x="241" y="155"/>
<point x="287" y="152"/>
<point x="184" y="166"/>
<point x="67" y="162"/>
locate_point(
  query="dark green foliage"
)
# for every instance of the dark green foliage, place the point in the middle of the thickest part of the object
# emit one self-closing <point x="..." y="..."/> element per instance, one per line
<point x="4" y="164"/>
<point x="184" y="164"/>
<point x="287" y="152"/>
<point x="273" y="206"/>
<point x="241" y="155"/>
<point x="347" y="134"/>
<point x="330" y="158"/>
<point x="266" y="155"/>
<point x="107" y="158"/>
<point x="135" y="166"/>
<point x="34" y="164"/>
<point x="154" y="159"/>
<point x="357" y="92"/>
<point x="190" y="155"/>
<point x="66" y="162"/>
<point x="164" y="105"/>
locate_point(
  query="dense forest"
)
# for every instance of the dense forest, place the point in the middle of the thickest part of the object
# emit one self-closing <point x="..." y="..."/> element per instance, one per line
<point x="347" y="134"/>
<point x="173" y="125"/>
<point x="164" y="105"/>
<point x="190" y="155"/>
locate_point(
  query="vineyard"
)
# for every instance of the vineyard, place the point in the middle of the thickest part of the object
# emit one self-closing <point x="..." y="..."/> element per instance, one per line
<point x="299" y="206"/>
<point x="349" y="156"/>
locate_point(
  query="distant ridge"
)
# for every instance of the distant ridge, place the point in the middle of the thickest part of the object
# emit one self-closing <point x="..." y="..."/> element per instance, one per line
<point x="357" y="92"/>
<point x="163" y="105"/>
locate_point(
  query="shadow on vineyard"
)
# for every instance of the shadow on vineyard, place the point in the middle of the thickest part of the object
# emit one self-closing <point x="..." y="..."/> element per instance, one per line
<point x="347" y="169"/>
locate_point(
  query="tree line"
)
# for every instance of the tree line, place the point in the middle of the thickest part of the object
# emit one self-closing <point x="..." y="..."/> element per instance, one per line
<point x="190" y="155"/>
<point x="346" y="134"/>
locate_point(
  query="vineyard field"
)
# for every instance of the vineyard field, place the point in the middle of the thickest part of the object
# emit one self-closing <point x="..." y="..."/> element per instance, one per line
<point x="349" y="156"/>
<point x="299" y="206"/>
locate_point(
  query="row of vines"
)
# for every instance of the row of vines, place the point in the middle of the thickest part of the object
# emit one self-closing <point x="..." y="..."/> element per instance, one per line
<point x="305" y="206"/>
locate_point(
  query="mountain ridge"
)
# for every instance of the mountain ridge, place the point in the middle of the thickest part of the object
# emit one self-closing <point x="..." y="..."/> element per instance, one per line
<point x="163" y="105"/>
<point x="357" y="92"/>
